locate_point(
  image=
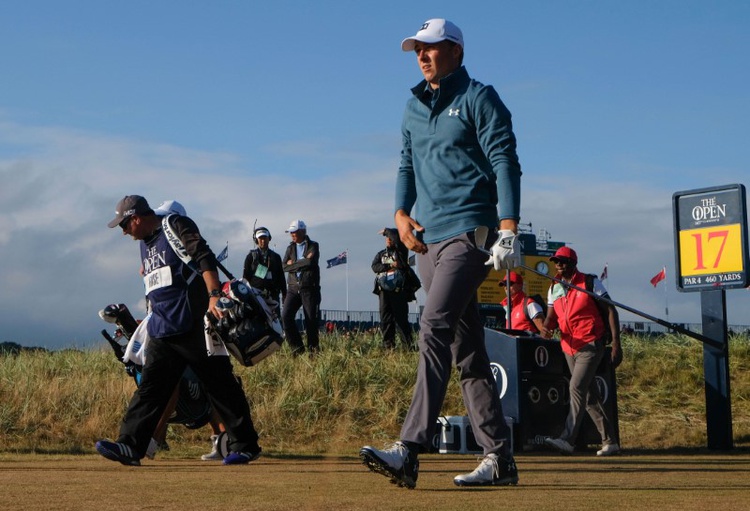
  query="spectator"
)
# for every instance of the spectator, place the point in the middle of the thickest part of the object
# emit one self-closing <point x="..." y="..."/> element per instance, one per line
<point x="302" y="265"/>
<point x="263" y="268"/>
<point x="391" y="266"/>
<point x="580" y="319"/>
<point x="170" y="207"/>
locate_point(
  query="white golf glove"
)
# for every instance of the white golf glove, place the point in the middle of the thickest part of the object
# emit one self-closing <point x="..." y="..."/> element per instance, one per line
<point x="505" y="253"/>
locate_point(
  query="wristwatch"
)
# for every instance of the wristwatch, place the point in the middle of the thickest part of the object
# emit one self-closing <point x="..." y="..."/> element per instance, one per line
<point x="215" y="293"/>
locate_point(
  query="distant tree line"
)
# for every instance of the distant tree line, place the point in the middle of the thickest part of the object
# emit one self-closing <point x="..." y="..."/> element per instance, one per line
<point x="12" y="348"/>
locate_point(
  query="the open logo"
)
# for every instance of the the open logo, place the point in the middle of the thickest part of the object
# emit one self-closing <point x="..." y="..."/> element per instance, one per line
<point x="501" y="378"/>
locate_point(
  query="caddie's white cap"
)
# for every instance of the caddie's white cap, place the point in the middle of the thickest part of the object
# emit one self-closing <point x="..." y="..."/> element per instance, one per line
<point x="434" y="31"/>
<point x="297" y="225"/>
<point x="170" y="207"/>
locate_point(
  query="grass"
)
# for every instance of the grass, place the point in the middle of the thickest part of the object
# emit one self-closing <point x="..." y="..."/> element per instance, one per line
<point x="352" y="393"/>
<point x="548" y="482"/>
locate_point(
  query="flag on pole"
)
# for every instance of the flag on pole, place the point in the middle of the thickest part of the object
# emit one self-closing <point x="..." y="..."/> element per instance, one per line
<point x="223" y="254"/>
<point x="659" y="276"/>
<point x="604" y="273"/>
<point x="339" y="259"/>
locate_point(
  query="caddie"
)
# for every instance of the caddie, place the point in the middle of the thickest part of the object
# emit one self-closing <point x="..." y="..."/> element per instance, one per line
<point x="581" y="321"/>
<point x="178" y="302"/>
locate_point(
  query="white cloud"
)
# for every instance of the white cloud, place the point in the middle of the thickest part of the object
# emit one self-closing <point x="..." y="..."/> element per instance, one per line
<point x="63" y="264"/>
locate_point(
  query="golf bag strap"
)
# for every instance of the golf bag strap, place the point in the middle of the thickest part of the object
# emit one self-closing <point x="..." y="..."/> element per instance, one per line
<point x="178" y="247"/>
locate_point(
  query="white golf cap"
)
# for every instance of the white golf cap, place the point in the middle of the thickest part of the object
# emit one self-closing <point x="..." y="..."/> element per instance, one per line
<point x="170" y="207"/>
<point x="434" y="31"/>
<point x="297" y="225"/>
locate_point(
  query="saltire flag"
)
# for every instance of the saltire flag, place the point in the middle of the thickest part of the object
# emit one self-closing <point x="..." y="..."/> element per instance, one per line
<point x="412" y="259"/>
<point x="339" y="259"/>
<point x="659" y="276"/>
<point x="223" y="254"/>
<point x="604" y="273"/>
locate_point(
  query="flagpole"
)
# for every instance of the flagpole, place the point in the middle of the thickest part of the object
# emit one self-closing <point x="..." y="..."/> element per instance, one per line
<point x="347" y="281"/>
<point x="605" y="274"/>
<point x="666" y="298"/>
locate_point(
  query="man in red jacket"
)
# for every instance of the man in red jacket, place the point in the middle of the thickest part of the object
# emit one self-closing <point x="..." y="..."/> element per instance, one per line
<point x="580" y="319"/>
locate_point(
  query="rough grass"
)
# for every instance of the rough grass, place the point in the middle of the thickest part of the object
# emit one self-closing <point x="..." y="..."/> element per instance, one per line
<point x="661" y="392"/>
<point x="351" y="393"/>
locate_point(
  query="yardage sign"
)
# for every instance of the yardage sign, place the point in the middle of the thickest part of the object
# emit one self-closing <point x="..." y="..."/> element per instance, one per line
<point x="711" y="247"/>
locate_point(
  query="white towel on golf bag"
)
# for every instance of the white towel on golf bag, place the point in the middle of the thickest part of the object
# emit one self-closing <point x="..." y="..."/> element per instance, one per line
<point x="214" y="344"/>
<point x="136" y="349"/>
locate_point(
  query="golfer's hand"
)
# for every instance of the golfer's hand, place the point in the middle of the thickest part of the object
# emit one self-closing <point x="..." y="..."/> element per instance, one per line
<point x="406" y="226"/>
<point x="505" y="253"/>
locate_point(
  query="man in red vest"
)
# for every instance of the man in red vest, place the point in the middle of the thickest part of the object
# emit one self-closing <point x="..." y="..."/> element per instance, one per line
<point x="580" y="318"/>
<point x="525" y="313"/>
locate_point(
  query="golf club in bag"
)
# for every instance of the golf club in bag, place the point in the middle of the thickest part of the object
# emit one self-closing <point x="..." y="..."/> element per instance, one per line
<point x="249" y="327"/>
<point x="193" y="409"/>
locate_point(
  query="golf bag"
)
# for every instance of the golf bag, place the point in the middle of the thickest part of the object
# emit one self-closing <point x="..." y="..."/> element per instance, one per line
<point x="193" y="409"/>
<point x="249" y="328"/>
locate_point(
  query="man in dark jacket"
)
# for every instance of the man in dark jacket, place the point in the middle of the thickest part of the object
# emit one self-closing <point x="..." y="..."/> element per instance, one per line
<point x="302" y="264"/>
<point x="263" y="268"/>
<point x="391" y="267"/>
<point x="179" y="295"/>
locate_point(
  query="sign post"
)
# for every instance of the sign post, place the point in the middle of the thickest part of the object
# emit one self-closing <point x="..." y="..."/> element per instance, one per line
<point x="711" y="255"/>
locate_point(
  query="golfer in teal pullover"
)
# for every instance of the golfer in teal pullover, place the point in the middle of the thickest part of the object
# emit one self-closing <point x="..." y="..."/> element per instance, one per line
<point x="458" y="182"/>
<point x="458" y="162"/>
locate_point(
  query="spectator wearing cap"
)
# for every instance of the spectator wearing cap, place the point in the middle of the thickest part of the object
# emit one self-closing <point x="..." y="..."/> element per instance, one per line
<point x="391" y="267"/>
<point x="579" y="318"/>
<point x="263" y="268"/>
<point x="170" y="207"/>
<point x="525" y="313"/>
<point x="178" y="303"/>
<point x="302" y="265"/>
<point x="457" y="197"/>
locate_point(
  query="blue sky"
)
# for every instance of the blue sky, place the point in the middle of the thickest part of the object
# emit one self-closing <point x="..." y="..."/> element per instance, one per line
<point x="289" y="109"/>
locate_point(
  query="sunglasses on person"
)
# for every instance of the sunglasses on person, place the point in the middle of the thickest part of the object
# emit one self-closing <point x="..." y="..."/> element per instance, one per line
<point x="125" y="224"/>
<point x="563" y="261"/>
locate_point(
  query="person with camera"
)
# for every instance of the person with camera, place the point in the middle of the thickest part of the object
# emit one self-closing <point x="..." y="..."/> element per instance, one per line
<point x="391" y="267"/>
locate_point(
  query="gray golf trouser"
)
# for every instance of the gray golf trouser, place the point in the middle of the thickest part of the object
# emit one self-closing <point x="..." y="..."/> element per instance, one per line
<point x="451" y="331"/>
<point x="584" y="394"/>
